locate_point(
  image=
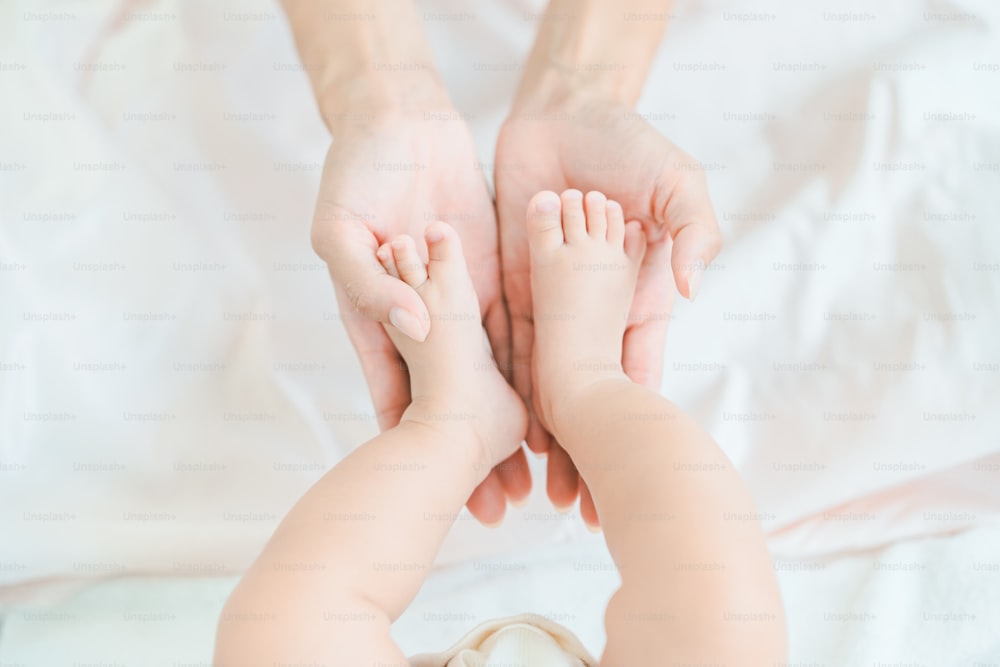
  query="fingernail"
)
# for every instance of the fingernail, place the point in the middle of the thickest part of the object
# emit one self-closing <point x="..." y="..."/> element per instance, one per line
<point x="547" y="204"/>
<point x="563" y="510"/>
<point x="694" y="279"/>
<point x="407" y="323"/>
<point x="433" y="235"/>
<point x="523" y="502"/>
<point x="494" y="525"/>
<point x="593" y="529"/>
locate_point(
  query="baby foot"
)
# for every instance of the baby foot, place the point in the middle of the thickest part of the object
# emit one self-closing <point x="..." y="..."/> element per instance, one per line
<point x="454" y="381"/>
<point x="584" y="264"/>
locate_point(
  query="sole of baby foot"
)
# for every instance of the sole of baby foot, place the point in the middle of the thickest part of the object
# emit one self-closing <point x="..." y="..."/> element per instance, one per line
<point x="584" y="263"/>
<point x="454" y="382"/>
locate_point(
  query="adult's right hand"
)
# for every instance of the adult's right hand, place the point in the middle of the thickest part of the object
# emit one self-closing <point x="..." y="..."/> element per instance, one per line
<point x="390" y="172"/>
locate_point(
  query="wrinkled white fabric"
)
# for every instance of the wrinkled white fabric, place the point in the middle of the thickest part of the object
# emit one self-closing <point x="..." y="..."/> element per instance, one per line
<point x="527" y="640"/>
<point x="173" y="373"/>
<point x="926" y="601"/>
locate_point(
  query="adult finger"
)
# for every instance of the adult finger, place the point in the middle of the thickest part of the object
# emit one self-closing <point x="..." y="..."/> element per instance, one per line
<point x="497" y="325"/>
<point x="588" y="511"/>
<point x="513" y="474"/>
<point x="517" y="289"/>
<point x="562" y="480"/>
<point x="384" y="370"/>
<point x="642" y="353"/>
<point x="349" y="250"/>
<point x="488" y="502"/>
<point x="683" y="207"/>
<point x="649" y="316"/>
<point x="515" y="477"/>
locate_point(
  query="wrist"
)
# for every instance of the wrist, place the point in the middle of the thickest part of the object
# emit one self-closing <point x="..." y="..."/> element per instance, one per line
<point x="380" y="63"/>
<point x="553" y="87"/>
<point x="591" y="49"/>
<point x="562" y="409"/>
<point x="468" y="464"/>
<point x="378" y="94"/>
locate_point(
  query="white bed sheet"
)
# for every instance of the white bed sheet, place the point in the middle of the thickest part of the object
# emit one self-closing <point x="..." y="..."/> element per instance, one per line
<point x="161" y="415"/>
<point x="929" y="602"/>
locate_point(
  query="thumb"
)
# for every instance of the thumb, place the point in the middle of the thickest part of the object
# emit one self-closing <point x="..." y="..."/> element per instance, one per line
<point x="685" y="210"/>
<point x="350" y="255"/>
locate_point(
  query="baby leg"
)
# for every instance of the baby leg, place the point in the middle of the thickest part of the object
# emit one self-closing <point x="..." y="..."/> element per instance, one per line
<point x="353" y="552"/>
<point x="698" y="586"/>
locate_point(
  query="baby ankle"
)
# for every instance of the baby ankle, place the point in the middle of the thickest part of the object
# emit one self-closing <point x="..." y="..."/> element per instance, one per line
<point x="567" y="402"/>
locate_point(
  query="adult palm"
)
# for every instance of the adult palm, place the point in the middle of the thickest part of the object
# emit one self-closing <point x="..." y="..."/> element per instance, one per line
<point x="393" y="175"/>
<point x="595" y="144"/>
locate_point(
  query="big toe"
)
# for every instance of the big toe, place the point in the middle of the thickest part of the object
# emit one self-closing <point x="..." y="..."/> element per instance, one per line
<point x="444" y="251"/>
<point x="545" y="232"/>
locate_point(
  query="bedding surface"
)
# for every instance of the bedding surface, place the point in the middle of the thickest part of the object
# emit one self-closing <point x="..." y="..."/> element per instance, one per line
<point x="921" y="602"/>
<point x="173" y="372"/>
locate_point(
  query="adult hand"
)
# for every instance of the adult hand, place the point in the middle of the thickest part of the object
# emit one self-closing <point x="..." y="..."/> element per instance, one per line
<point x="589" y="141"/>
<point x="392" y="173"/>
<point x="401" y="158"/>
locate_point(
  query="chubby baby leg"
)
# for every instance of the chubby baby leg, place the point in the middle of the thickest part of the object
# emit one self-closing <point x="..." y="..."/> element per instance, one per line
<point x="353" y="552"/>
<point x="698" y="586"/>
